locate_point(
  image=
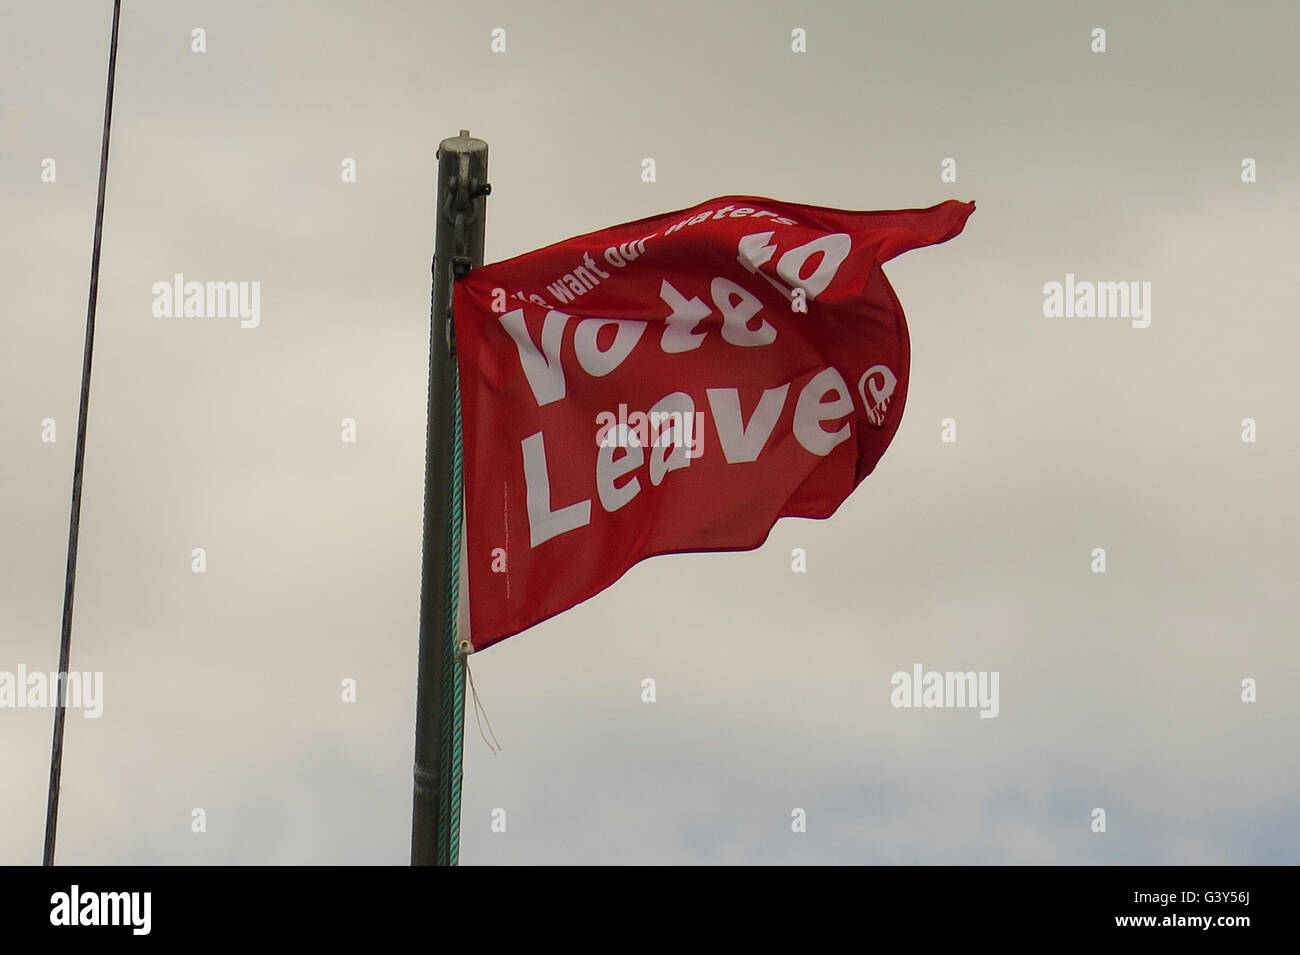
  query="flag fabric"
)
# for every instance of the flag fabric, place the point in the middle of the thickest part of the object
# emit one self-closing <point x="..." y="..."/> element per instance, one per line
<point x="673" y="384"/>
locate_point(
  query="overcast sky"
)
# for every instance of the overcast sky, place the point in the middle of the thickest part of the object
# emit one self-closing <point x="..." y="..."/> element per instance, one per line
<point x="1120" y="691"/>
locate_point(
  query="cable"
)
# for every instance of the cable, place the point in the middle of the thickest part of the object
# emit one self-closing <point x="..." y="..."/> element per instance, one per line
<point x="74" y="522"/>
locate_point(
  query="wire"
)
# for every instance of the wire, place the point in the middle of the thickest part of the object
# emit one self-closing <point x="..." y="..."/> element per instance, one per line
<point x="74" y="522"/>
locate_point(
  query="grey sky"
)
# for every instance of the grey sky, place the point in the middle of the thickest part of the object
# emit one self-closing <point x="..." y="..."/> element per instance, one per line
<point x="1119" y="691"/>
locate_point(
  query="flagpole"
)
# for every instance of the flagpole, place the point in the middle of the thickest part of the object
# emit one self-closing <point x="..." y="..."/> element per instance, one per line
<point x="440" y="691"/>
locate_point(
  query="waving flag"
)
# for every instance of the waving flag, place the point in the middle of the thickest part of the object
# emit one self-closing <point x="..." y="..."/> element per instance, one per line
<point x="673" y="384"/>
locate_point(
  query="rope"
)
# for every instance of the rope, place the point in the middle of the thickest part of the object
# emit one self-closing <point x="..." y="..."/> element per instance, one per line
<point x="78" y="467"/>
<point x="453" y="711"/>
<point x="480" y="714"/>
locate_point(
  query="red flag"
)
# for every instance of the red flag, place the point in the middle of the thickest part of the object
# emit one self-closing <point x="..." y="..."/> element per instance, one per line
<point x="673" y="384"/>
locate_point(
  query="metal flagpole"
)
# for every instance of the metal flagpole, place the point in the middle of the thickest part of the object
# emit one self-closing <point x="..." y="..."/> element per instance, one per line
<point x="440" y="691"/>
<point x="78" y="468"/>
